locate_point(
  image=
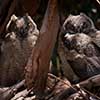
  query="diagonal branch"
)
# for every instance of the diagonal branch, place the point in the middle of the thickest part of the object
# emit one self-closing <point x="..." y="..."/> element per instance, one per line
<point x="38" y="64"/>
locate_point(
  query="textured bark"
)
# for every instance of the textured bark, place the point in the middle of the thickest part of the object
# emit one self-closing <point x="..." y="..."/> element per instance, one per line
<point x="91" y="82"/>
<point x="38" y="64"/>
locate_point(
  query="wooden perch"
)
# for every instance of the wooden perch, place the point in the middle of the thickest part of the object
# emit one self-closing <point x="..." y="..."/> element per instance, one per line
<point x="91" y="82"/>
<point x="8" y="93"/>
<point x="38" y="64"/>
<point x="21" y="95"/>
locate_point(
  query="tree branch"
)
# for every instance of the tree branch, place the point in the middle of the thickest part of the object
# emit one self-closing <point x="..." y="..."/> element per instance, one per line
<point x="38" y="64"/>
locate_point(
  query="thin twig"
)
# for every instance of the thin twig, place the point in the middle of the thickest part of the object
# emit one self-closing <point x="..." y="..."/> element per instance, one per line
<point x="98" y="2"/>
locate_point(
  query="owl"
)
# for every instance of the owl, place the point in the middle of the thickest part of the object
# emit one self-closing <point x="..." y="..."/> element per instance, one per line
<point x="21" y="37"/>
<point x="80" y="40"/>
<point x="86" y="55"/>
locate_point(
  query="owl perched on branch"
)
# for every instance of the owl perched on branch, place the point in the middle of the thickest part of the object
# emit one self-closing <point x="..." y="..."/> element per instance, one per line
<point x="16" y="49"/>
<point x="81" y="44"/>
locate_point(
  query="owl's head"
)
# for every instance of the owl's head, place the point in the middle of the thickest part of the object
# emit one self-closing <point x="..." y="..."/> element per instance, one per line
<point x="78" y="24"/>
<point x="22" y="26"/>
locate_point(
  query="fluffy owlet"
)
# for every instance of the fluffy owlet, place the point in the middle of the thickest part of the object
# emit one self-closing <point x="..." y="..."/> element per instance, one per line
<point x="16" y="49"/>
<point x="82" y="52"/>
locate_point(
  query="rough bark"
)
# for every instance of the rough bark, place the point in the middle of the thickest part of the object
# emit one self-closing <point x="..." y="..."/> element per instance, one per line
<point x="91" y="82"/>
<point x="38" y="64"/>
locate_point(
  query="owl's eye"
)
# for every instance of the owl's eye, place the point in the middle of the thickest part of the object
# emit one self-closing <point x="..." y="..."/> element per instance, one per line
<point x="85" y="25"/>
<point x="69" y="26"/>
<point x="70" y="29"/>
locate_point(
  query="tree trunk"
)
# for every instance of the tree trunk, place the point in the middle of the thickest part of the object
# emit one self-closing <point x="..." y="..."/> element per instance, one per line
<point x="38" y="64"/>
